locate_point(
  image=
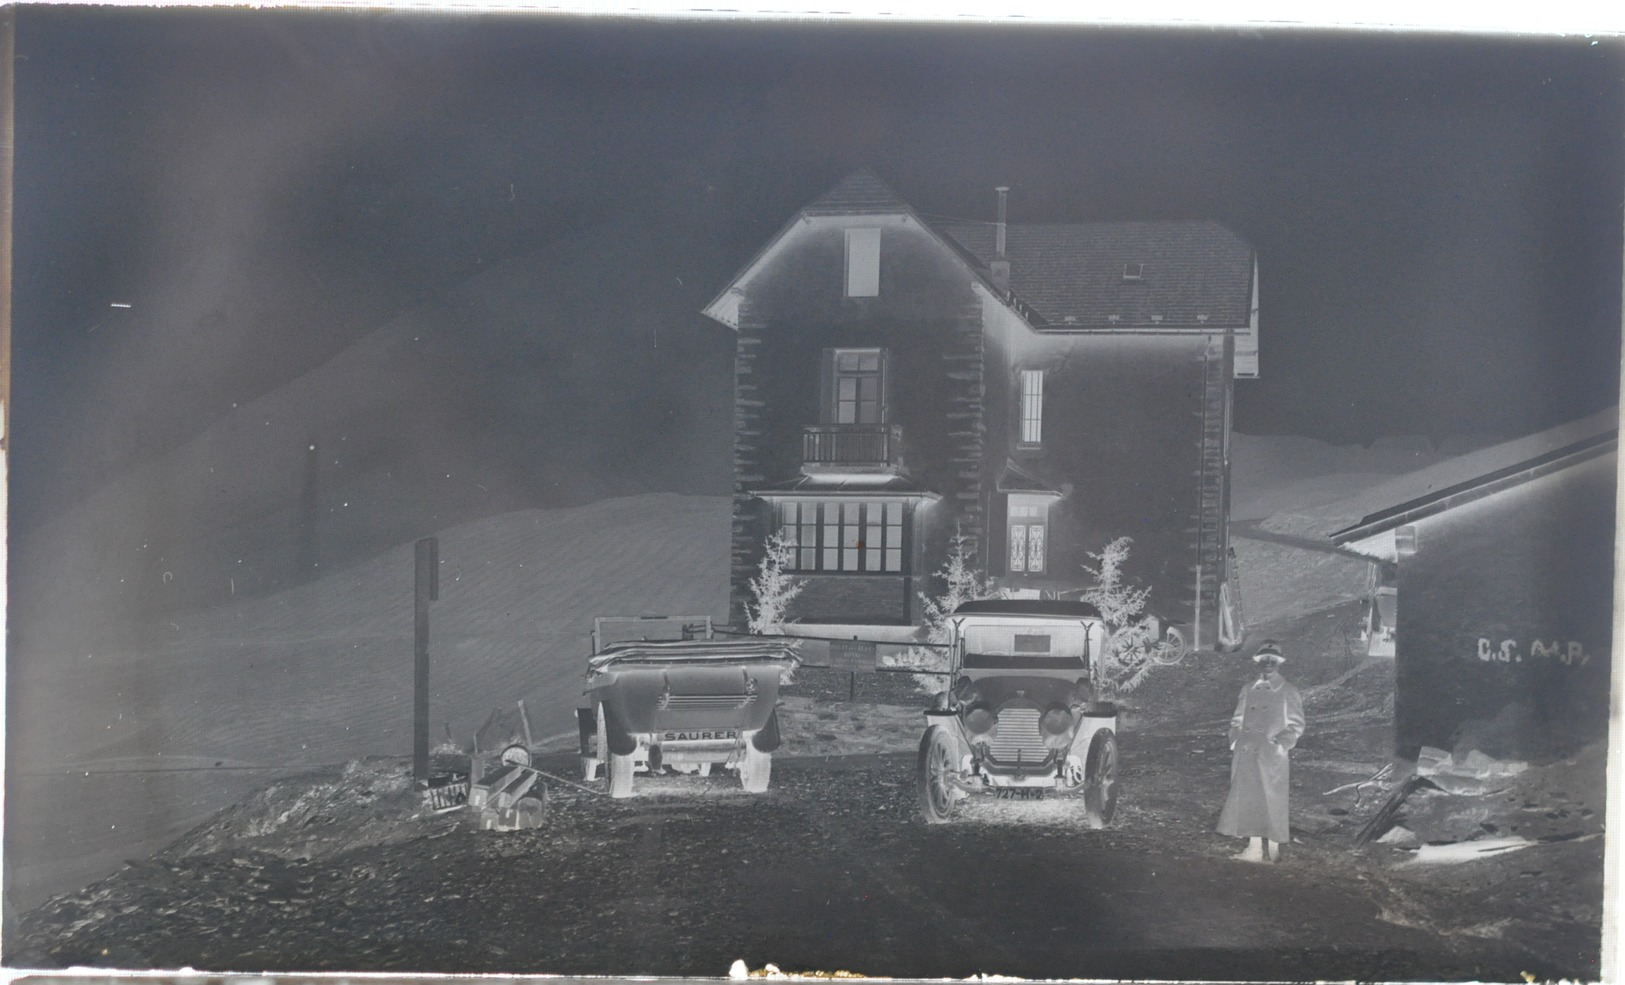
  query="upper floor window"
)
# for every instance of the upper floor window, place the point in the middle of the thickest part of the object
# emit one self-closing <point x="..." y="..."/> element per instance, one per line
<point x="1032" y="406"/>
<point x="862" y="263"/>
<point x="1028" y="525"/>
<point x="858" y="379"/>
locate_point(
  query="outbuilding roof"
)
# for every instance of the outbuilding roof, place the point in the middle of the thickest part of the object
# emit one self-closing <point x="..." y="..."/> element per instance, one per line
<point x="1173" y="274"/>
<point x="1437" y="488"/>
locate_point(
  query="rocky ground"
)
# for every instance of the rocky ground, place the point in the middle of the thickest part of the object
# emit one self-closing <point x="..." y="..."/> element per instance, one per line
<point x="346" y="869"/>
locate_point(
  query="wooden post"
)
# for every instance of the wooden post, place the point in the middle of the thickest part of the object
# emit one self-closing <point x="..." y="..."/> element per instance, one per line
<point x="426" y="588"/>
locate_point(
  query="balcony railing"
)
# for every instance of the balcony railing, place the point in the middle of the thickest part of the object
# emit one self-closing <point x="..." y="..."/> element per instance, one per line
<point x="852" y="447"/>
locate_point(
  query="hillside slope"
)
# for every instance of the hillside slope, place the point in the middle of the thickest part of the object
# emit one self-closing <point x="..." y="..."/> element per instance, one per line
<point x="538" y="383"/>
<point x="322" y="672"/>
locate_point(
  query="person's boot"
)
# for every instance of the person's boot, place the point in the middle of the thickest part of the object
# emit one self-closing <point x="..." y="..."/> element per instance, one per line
<point x="1274" y="849"/>
<point x="1254" y="852"/>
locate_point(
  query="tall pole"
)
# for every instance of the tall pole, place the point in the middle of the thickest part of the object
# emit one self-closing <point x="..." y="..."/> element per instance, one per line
<point x="426" y="588"/>
<point x="8" y="43"/>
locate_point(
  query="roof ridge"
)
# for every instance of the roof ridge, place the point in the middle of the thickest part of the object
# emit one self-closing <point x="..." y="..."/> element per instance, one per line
<point x="860" y="191"/>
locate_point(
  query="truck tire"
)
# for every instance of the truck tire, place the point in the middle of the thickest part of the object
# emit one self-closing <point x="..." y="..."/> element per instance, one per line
<point x="756" y="769"/>
<point x="620" y="769"/>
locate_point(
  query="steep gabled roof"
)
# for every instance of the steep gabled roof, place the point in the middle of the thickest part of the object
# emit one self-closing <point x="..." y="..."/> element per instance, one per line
<point x="1186" y="274"/>
<point x="1459" y="480"/>
<point x="859" y="193"/>
<point x="1064" y="276"/>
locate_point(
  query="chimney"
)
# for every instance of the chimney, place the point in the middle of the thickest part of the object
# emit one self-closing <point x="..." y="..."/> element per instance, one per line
<point x="999" y="268"/>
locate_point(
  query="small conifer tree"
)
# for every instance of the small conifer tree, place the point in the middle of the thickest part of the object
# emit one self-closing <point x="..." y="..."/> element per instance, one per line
<point x="1132" y="646"/>
<point x="963" y="582"/>
<point x="773" y="588"/>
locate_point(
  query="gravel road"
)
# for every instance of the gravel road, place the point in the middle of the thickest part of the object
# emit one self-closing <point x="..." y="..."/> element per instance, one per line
<point x="831" y="869"/>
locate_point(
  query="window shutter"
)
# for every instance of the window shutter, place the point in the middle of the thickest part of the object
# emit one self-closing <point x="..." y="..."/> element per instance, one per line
<point x="826" y="388"/>
<point x="1018" y="547"/>
<point x="862" y="263"/>
<point x="886" y="375"/>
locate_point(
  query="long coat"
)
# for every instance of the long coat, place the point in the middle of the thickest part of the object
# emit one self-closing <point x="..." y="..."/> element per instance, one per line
<point x="1267" y="723"/>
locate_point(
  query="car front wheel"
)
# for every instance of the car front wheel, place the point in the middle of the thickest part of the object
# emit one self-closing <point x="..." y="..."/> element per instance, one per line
<point x="936" y="771"/>
<point x="1100" y="779"/>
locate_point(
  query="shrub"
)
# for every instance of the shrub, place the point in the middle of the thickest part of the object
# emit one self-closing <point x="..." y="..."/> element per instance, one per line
<point x="773" y="589"/>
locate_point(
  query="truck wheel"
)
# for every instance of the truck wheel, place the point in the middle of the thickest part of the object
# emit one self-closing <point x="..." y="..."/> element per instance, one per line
<point x="756" y="769"/>
<point x="620" y="770"/>
<point x="587" y="725"/>
<point x="936" y="770"/>
<point x="590" y="764"/>
<point x="1100" y="779"/>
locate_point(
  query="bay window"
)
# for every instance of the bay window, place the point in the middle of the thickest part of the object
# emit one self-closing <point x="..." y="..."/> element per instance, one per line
<point x="843" y="535"/>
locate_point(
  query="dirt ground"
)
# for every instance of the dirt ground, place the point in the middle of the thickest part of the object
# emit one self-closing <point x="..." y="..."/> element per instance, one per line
<point x="347" y="845"/>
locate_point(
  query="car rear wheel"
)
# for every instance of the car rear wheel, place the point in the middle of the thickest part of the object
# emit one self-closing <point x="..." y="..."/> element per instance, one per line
<point x="620" y="774"/>
<point x="936" y="770"/>
<point x="1100" y="779"/>
<point x="756" y="769"/>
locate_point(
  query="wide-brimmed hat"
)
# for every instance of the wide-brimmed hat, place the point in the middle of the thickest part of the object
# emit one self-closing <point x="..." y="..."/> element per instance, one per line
<point x="1269" y="650"/>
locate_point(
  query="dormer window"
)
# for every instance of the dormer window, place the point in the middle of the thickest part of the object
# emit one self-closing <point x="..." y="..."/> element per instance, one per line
<point x="1133" y="271"/>
<point x="862" y="263"/>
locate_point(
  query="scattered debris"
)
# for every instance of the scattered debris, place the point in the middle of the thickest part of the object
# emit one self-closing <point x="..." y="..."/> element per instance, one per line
<point x="1361" y="787"/>
<point x="508" y="794"/>
<point x="446" y="792"/>
<point x="1472" y="764"/>
<point x="1467" y="851"/>
<point x="1384" y="818"/>
<point x="1397" y="835"/>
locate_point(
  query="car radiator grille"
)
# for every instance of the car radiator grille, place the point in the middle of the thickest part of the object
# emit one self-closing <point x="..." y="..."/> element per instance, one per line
<point x="1017" y="734"/>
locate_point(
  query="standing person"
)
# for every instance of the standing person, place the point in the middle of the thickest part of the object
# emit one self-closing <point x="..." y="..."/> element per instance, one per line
<point x="1267" y="723"/>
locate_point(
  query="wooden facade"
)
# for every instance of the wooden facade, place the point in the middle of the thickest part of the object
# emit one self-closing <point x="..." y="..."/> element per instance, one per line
<point x="898" y="381"/>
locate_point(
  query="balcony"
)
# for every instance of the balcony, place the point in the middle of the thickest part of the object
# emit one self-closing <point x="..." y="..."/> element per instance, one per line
<point x="852" y="448"/>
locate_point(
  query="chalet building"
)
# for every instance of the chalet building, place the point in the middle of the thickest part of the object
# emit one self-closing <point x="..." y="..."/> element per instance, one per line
<point x="1502" y="568"/>
<point x="1040" y="389"/>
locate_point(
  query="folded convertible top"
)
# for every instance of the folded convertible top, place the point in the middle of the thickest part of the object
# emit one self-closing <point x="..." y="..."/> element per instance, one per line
<point x="695" y="651"/>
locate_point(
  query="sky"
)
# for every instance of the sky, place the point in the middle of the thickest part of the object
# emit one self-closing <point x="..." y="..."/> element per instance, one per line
<point x="211" y="204"/>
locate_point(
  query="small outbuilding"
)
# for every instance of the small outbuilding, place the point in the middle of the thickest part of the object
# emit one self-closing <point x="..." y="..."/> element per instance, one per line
<point x="1501" y="569"/>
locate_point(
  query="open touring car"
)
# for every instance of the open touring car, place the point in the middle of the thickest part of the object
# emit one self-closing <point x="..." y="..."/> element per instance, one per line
<point x="667" y="696"/>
